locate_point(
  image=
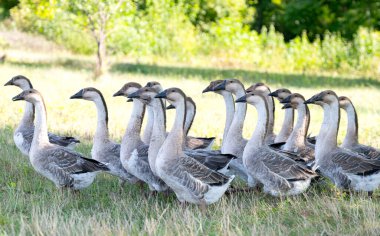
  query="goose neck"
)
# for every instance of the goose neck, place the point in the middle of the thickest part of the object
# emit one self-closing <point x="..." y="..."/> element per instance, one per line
<point x="190" y="115"/>
<point x="135" y="121"/>
<point x="176" y="135"/>
<point x="297" y="138"/>
<point x="287" y="126"/>
<point x="102" y="133"/>
<point x="271" y="110"/>
<point x="40" y="136"/>
<point x="28" y="116"/>
<point x="351" y="137"/>
<point x="149" y="125"/>
<point x="230" y="109"/>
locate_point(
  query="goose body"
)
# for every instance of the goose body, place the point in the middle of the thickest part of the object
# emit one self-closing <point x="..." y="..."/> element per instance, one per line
<point x="346" y="169"/>
<point x="191" y="181"/>
<point x="279" y="174"/>
<point x="133" y="151"/>
<point x="104" y="149"/>
<point x="61" y="165"/>
<point x="351" y="140"/>
<point x="23" y="134"/>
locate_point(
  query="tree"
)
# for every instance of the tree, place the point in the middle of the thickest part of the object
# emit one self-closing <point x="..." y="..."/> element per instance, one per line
<point x="98" y="17"/>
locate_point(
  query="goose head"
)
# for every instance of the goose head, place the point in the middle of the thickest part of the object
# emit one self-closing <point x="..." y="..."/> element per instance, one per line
<point x="128" y="89"/>
<point x="175" y="96"/>
<point x="89" y="94"/>
<point x="253" y="98"/>
<point x="211" y="86"/>
<point x="230" y="85"/>
<point x="155" y="85"/>
<point x="344" y="102"/>
<point x="145" y="94"/>
<point x="294" y="100"/>
<point x="29" y="95"/>
<point x="280" y="94"/>
<point x="20" y="81"/>
<point x="325" y="97"/>
<point x="259" y="87"/>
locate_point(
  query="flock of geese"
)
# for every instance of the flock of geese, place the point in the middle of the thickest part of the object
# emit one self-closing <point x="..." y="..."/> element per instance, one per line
<point x="280" y="165"/>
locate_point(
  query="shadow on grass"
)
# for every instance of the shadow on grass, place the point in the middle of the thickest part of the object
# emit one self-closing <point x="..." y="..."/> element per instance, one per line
<point x="294" y="80"/>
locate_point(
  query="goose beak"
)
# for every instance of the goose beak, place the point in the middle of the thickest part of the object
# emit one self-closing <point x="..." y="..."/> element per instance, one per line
<point x="130" y="100"/>
<point x="286" y="106"/>
<point x="149" y="85"/>
<point x="134" y="95"/>
<point x="10" y="82"/>
<point x="78" y="95"/>
<point x="208" y="89"/>
<point x="316" y="98"/>
<point x="286" y="100"/>
<point x="163" y="94"/>
<point x="118" y="93"/>
<point x="170" y="107"/>
<point x="273" y="94"/>
<point x="242" y="99"/>
<point x="221" y="86"/>
<point x="18" y="97"/>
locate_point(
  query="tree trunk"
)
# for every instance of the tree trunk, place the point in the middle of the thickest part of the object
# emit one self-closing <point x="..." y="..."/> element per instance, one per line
<point x="101" y="62"/>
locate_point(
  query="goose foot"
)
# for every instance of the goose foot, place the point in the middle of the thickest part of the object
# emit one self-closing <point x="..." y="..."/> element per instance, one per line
<point x="370" y="194"/>
<point x="183" y="204"/>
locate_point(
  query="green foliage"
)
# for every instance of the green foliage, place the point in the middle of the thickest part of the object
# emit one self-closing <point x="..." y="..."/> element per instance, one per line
<point x="215" y="32"/>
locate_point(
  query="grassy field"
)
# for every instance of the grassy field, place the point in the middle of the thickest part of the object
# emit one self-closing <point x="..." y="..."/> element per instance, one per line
<point x="29" y="204"/>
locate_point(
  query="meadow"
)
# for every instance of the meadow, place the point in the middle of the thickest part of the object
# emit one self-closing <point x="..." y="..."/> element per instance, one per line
<point x="31" y="205"/>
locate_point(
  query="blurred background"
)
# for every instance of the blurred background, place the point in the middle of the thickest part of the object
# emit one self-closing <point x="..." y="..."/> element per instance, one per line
<point x="285" y="36"/>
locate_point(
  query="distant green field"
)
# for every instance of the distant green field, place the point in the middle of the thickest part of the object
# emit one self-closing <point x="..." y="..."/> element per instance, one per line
<point x="30" y="204"/>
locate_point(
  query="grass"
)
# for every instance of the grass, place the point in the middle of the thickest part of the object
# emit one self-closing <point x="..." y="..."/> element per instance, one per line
<point x="32" y="205"/>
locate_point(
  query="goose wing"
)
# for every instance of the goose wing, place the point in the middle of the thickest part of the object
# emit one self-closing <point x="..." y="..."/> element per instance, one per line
<point x="63" y="141"/>
<point x="74" y="163"/>
<point x="190" y="167"/>
<point x="353" y="163"/>
<point x="286" y="167"/>
<point x="212" y="159"/>
<point x="368" y="151"/>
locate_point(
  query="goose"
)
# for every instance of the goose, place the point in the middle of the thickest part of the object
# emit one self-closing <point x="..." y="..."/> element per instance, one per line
<point x="23" y="134"/>
<point x="191" y="142"/>
<point x="229" y="103"/>
<point x="346" y="169"/>
<point x="287" y="125"/>
<point x="234" y="142"/>
<point x="64" y="167"/>
<point x="266" y="90"/>
<point x="104" y="149"/>
<point x="351" y="139"/>
<point x="296" y="145"/>
<point x="280" y="175"/>
<point x="191" y="181"/>
<point x="133" y="151"/>
<point x="211" y="158"/>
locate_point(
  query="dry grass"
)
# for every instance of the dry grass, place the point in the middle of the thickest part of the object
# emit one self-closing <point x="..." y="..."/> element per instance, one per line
<point x="32" y="205"/>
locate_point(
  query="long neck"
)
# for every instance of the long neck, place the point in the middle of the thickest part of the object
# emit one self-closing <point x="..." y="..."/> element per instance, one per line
<point x="297" y="138"/>
<point x="28" y="117"/>
<point x="190" y="115"/>
<point x="287" y="126"/>
<point x="329" y="141"/>
<point x="352" y="127"/>
<point x="271" y="109"/>
<point x="102" y="133"/>
<point x="175" y="137"/>
<point x="158" y="132"/>
<point x="40" y="136"/>
<point x="230" y="110"/>
<point x="134" y="125"/>
<point x="149" y="126"/>
<point x="257" y="139"/>
<point x="235" y="133"/>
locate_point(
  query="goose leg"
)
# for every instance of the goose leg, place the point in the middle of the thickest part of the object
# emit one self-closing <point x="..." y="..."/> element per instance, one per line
<point x="203" y="206"/>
